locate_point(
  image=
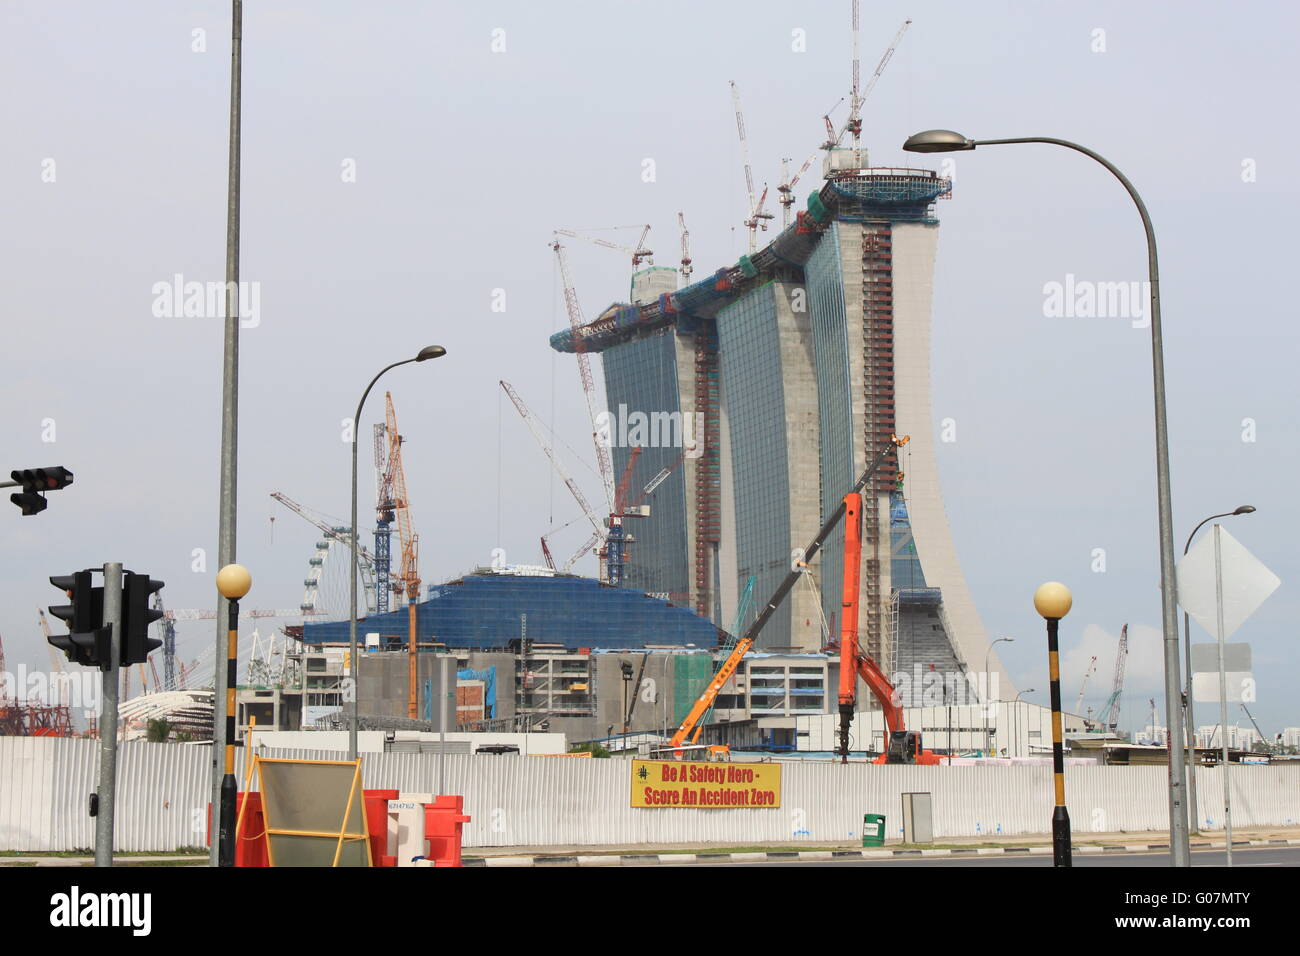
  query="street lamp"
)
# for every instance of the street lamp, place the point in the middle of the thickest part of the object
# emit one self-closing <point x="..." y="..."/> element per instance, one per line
<point x="1188" y="716"/>
<point x="988" y="741"/>
<point x="354" y="665"/>
<point x="233" y="582"/>
<point x="627" y="680"/>
<point x="1015" y="713"/>
<point x="946" y="140"/>
<point x="1052" y="600"/>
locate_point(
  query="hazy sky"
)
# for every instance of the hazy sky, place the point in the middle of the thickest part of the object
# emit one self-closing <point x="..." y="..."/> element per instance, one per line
<point x="465" y="157"/>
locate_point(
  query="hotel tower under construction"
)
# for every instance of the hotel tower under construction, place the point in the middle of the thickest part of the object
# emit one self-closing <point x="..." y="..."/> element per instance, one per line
<point x="764" y="390"/>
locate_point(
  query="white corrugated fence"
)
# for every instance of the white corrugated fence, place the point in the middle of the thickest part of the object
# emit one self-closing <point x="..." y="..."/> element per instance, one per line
<point x="163" y="793"/>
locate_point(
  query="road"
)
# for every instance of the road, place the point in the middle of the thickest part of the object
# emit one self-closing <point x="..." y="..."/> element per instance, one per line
<point x="1241" y="857"/>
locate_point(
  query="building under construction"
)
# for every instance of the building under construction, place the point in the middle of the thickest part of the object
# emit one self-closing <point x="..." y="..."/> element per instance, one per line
<point x="792" y="365"/>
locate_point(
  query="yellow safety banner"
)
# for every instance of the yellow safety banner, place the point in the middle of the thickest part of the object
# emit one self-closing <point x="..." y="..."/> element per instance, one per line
<point x="695" y="786"/>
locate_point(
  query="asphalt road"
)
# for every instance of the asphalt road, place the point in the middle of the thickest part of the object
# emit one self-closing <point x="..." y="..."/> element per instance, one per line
<point x="1241" y="857"/>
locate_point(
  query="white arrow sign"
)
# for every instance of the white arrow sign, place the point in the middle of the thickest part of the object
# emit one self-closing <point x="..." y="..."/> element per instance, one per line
<point x="1247" y="583"/>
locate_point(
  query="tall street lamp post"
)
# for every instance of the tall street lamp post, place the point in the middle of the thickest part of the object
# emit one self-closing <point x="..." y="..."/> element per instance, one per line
<point x="354" y="664"/>
<point x="988" y="740"/>
<point x="1188" y="714"/>
<point x="227" y="507"/>
<point x="945" y="140"/>
<point x="1052" y="600"/>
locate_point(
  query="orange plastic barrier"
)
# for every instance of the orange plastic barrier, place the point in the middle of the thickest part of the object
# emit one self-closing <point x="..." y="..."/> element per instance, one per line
<point x="377" y="824"/>
<point x="443" y="820"/>
<point x="251" y="848"/>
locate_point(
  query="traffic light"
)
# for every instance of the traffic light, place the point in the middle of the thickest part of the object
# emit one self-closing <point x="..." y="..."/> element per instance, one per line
<point x="87" y="642"/>
<point x="35" y="482"/>
<point x="137" y="616"/>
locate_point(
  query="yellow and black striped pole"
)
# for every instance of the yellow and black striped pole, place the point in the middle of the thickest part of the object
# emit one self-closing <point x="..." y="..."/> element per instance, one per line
<point x="1052" y="600"/>
<point x="233" y="581"/>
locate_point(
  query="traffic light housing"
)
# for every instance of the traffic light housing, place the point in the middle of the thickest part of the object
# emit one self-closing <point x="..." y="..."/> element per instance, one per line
<point x="137" y="616"/>
<point x="87" y="642"/>
<point x="35" y="482"/>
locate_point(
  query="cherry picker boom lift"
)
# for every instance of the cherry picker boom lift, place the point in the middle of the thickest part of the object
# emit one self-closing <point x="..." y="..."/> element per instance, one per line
<point x="746" y="643"/>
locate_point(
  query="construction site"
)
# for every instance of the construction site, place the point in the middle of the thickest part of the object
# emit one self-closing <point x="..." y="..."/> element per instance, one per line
<point x="779" y="406"/>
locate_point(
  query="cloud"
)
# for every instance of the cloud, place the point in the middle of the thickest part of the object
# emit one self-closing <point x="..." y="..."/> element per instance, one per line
<point x="1143" y="672"/>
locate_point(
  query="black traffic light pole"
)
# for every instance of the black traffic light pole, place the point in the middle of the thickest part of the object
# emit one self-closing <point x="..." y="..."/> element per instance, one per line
<point x="108" y="628"/>
<point x="108" y="717"/>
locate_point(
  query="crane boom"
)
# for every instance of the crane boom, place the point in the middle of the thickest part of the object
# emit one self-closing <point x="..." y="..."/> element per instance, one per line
<point x="637" y="254"/>
<point x="603" y="462"/>
<point x="746" y="642"/>
<point x="343" y="535"/>
<point x="853" y="123"/>
<point x="569" y="483"/>
<point x="1092" y="666"/>
<point x="757" y="217"/>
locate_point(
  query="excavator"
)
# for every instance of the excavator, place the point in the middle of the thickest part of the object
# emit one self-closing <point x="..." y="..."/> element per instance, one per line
<point x="904" y="745"/>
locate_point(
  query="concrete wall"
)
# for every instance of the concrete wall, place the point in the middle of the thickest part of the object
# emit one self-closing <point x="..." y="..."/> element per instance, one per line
<point x="914" y="247"/>
<point x="383" y="685"/>
<point x="539" y="801"/>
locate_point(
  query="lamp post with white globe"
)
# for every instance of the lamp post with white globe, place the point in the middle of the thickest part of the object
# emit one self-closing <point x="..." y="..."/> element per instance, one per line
<point x="1052" y="600"/>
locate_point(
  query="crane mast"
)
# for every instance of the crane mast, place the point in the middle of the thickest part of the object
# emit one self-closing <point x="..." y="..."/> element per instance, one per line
<point x="1109" y="717"/>
<point x="409" y="576"/>
<point x="757" y="217"/>
<point x="603" y="463"/>
<point x="686" y="268"/>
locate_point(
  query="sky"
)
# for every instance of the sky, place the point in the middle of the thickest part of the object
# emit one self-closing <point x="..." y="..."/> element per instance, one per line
<point x="404" y="165"/>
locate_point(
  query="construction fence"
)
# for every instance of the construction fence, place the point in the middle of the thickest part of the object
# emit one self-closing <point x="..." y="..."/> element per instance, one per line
<point x="164" y="789"/>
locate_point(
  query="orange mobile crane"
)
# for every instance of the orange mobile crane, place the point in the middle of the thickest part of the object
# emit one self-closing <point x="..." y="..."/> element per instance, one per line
<point x="904" y="746"/>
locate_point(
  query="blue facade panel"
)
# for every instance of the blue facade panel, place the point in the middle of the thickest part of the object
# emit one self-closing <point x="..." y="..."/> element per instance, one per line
<point x="642" y="396"/>
<point x="486" y="611"/>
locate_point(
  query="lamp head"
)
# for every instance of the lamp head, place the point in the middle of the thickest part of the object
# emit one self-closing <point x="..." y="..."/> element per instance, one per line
<point x="1245" y="510"/>
<point x="234" y="581"/>
<point x="937" y="141"/>
<point x="430" y="352"/>
<point x="1052" y="600"/>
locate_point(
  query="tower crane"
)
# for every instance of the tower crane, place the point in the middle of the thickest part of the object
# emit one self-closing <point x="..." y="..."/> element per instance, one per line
<point x="686" y="268"/>
<point x="578" y="496"/>
<point x="1109" y="716"/>
<point x="1088" y="672"/>
<point x="584" y="370"/>
<point x="637" y="254"/>
<point x="853" y="124"/>
<point x="383" y="521"/>
<point x="409" y="576"/>
<point x="757" y="217"/>
<point x="343" y="535"/>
